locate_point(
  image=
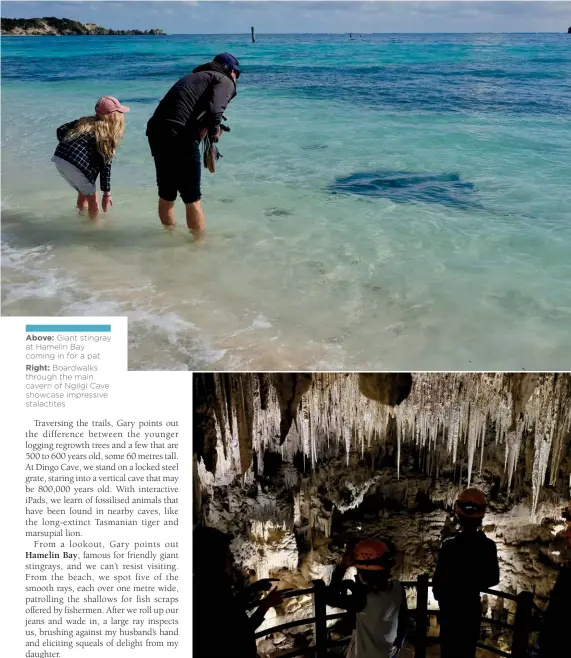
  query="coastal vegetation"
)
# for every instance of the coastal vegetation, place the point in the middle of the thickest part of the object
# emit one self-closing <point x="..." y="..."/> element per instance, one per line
<point x="62" y="27"/>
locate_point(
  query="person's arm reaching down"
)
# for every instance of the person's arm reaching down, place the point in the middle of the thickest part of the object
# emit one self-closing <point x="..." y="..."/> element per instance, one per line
<point x="223" y="91"/>
<point x="105" y="184"/>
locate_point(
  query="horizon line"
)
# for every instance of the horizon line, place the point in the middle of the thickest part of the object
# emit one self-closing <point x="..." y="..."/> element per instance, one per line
<point x="367" y="33"/>
<point x="247" y="34"/>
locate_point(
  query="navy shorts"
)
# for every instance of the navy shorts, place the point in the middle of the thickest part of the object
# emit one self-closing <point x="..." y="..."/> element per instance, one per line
<point x="178" y="171"/>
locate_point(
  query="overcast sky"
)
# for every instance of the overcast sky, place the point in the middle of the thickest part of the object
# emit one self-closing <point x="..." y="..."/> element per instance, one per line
<point x="280" y="16"/>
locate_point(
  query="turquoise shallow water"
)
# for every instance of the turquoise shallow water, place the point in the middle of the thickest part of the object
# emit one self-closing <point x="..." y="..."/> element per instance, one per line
<point x="392" y="201"/>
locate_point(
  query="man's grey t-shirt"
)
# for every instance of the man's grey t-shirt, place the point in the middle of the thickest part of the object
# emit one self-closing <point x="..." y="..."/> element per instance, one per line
<point x="377" y="623"/>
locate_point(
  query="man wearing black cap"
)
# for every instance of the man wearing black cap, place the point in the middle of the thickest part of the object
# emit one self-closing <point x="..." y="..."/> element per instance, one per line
<point x="191" y="111"/>
<point x="467" y="565"/>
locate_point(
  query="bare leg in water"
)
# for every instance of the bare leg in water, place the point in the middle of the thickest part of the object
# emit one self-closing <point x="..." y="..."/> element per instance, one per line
<point x="194" y="216"/>
<point x="166" y="213"/>
<point x="89" y="203"/>
<point x="195" y="219"/>
<point x="81" y="203"/>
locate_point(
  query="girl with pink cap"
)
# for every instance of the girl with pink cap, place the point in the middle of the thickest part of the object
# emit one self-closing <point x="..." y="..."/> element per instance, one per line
<point x="85" y="151"/>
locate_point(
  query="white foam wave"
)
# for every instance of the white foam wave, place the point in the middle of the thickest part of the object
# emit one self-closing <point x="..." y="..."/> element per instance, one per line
<point x="28" y="276"/>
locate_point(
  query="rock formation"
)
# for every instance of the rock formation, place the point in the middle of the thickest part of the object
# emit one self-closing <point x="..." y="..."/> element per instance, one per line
<point x="62" y="27"/>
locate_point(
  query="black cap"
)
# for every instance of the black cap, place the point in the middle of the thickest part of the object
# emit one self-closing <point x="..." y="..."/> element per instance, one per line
<point x="229" y="62"/>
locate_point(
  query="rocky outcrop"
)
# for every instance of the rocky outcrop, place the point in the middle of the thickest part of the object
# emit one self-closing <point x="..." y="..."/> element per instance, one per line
<point x="62" y="27"/>
<point x="386" y="388"/>
<point x="289" y="388"/>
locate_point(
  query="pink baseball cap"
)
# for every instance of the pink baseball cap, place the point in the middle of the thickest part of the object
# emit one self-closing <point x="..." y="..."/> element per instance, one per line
<point x="108" y="105"/>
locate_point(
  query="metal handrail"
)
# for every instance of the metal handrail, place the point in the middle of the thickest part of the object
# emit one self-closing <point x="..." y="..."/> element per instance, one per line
<point x="287" y="624"/>
<point x="308" y="651"/>
<point x="499" y="652"/>
<point x="298" y="592"/>
<point x="337" y="615"/>
<point x="501" y="595"/>
<point x="343" y="615"/>
<point x="496" y="622"/>
<point x="422" y="614"/>
<point x="290" y="594"/>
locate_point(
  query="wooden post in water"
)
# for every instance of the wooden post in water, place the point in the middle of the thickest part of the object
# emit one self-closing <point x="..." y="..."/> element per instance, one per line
<point x="253" y="35"/>
<point x="320" y="614"/>
<point x="421" y="616"/>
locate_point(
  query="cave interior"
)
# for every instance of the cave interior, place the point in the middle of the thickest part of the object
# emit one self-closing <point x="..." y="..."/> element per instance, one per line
<point x="295" y="466"/>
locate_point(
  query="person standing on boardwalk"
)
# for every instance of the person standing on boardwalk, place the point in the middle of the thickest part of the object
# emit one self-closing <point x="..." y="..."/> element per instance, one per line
<point x="377" y="601"/>
<point x="555" y="629"/>
<point x="191" y="111"/>
<point x="467" y="564"/>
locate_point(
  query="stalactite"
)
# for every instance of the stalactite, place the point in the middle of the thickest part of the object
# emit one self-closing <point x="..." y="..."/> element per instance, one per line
<point x="454" y="431"/>
<point x="542" y="413"/>
<point x="562" y="431"/>
<point x="205" y="437"/>
<point x="264" y="384"/>
<point x="513" y="444"/>
<point x="521" y="387"/>
<point x="196" y="492"/>
<point x="243" y="393"/>
<point x="223" y="409"/>
<point x="398" y="455"/>
<point x="447" y="416"/>
<point x="290" y="387"/>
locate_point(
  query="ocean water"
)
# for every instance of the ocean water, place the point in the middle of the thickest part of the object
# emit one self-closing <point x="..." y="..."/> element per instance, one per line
<point x="386" y="202"/>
